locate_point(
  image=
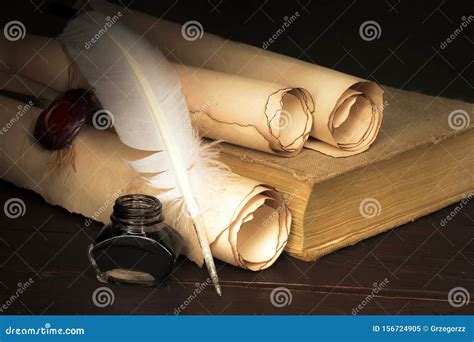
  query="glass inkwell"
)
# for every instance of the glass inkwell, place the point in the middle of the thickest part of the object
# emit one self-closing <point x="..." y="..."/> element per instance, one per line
<point x="137" y="247"/>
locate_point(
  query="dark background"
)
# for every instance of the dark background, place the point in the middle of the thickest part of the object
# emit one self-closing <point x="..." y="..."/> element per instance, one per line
<point x="407" y="55"/>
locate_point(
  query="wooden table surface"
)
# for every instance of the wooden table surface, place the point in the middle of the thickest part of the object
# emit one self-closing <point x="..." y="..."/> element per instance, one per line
<point x="420" y="263"/>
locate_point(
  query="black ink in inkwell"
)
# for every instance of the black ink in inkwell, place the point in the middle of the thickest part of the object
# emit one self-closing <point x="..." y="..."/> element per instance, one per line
<point x="137" y="247"/>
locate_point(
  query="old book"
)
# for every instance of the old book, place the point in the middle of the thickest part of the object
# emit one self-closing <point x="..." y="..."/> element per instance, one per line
<point x="423" y="160"/>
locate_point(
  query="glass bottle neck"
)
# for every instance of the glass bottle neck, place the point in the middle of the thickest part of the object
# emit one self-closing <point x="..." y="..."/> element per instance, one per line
<point x="138" y="214"/>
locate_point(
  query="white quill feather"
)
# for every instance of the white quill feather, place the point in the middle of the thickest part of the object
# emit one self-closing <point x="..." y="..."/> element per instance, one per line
<point x="134" y="81"/>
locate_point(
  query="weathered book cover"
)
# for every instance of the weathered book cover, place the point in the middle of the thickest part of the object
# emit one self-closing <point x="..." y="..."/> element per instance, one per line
<point x="423" y="160"/>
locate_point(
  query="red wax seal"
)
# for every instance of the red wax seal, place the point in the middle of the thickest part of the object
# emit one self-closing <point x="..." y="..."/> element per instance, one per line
<point x="58" y="124"/>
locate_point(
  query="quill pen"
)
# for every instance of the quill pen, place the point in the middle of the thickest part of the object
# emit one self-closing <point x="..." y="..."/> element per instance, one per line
<point x="142" y="90"/>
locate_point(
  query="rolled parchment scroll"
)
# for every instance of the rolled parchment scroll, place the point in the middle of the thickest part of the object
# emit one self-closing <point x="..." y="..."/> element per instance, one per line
<point x="257" y="114"/>
<point x="348" y="110"/>
<point x="248" y="222"/>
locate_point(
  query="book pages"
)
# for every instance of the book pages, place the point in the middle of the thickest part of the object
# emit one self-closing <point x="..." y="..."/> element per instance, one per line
<point x="247" y="223"/>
